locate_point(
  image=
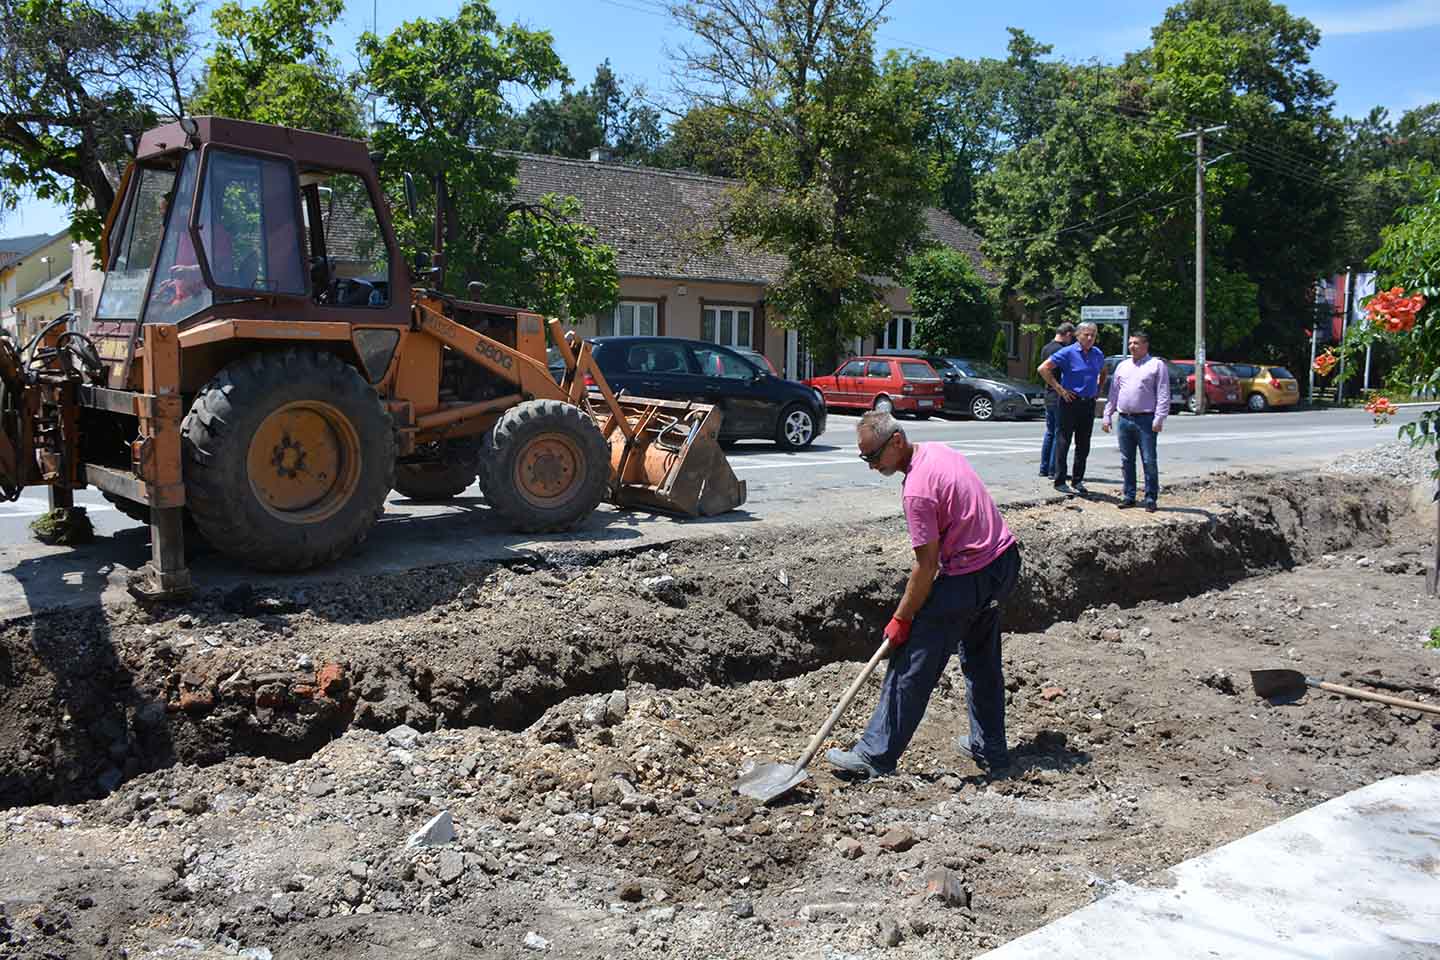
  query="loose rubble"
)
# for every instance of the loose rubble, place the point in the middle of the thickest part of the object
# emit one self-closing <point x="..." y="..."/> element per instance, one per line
<point x="538" y="758"/>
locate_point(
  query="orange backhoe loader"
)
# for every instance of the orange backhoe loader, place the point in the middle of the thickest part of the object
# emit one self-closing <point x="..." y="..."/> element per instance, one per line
<point x="263" y="362"/>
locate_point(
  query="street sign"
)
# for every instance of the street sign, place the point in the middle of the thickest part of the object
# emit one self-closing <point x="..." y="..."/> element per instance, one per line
<point x="1105" y="313"/>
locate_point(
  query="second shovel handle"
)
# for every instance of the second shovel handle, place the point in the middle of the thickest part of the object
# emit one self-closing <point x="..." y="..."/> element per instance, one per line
<point x="1378" y="697"/>
<point x="845" y="699"/>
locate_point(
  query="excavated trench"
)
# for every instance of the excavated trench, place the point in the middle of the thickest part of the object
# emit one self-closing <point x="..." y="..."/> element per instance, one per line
<point x="90" y="698"/>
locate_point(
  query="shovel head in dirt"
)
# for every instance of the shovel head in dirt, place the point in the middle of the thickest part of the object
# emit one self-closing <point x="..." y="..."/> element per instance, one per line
<point x="771" y="781"/>
<point x="1291" y="684"/>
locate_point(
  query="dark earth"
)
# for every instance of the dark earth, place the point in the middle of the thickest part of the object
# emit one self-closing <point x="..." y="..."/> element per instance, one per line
<point x="242" y="775"/>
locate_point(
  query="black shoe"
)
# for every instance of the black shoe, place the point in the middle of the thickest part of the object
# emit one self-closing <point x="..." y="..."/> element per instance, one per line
<point x="1126" y="504"/>
<point x="852" y="762"/>
<point x="1046" y="475"/>
<point x="1063" y="489"/>
<point x="1150" y="506"/>
<point x="993" y="768"/>
<point x="1079" y="488"/>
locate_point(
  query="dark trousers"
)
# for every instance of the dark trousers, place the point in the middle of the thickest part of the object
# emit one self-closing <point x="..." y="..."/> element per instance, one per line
<point x="1047" y="446"/>
<point x="1077" y="422"/>
<point x="962" y="615"/>
<point x="1137" y="430"/>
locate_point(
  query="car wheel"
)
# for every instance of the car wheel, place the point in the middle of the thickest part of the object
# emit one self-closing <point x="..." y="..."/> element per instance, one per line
<point x="883" y="404"/>
<point x="797" y="428"/>
<point x="1257" y="403"/>
<point x="982" y="407"/>
<point x="1192" y="404"/>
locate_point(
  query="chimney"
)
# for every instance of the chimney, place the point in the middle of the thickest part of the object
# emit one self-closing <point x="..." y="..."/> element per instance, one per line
<point x="601" y="154"/>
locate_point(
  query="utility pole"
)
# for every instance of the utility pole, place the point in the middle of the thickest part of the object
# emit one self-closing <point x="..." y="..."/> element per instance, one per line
<point x="1199" y="134"/>
<point x="1345" y="328"/>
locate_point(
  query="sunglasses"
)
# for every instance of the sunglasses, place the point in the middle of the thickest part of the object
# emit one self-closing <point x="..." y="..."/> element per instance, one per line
<point x="874" y="455"/>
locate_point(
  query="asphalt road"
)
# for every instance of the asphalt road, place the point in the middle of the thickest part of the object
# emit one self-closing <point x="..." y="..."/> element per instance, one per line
<point x="823" y="483"/>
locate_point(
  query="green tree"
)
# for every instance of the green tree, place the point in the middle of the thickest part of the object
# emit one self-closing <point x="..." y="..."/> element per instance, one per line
<point x="603" y="114"/>
<point x="441" y="84"/>
<point x="1380" y="160"/>
<point x="835" y="179"/>
<point x="708" y="138"/>
<point x="271" y="64"/>
<point x="955" y="310"/>
<point x="77" y="76"/>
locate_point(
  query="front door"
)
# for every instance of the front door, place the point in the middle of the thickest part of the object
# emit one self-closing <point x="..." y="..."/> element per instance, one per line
<point x="730" y="382"/>
<point x="848" y="382"/>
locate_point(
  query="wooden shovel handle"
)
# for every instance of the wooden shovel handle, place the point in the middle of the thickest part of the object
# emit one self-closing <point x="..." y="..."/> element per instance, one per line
<point x="845" y="699"/>
<point x="1379" y="697"/>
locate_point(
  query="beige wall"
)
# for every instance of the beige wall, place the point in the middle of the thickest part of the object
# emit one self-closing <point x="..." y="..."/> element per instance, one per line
<point x="30" y="272"/>
<point x="34" y="313"/>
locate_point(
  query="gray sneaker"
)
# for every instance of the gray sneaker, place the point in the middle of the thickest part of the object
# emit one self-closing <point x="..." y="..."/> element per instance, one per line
<point x="851" y="762"/>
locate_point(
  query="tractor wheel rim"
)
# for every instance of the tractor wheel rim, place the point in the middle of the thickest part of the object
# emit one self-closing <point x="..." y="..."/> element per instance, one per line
<point x="983" y="409"/>
<point x="549" y="469"/>
<point x="798" y="427"/>
<point x="304" y="462"/>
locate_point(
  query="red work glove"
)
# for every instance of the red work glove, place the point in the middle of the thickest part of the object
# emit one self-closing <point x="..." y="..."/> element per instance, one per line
<point x="897" y="631"/>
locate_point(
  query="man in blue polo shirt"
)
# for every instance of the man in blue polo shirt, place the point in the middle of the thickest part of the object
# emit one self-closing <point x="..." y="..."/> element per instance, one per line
<point x="1074" y="373"/>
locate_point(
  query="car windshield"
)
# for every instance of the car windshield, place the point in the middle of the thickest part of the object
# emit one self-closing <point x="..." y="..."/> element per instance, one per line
<point x="1280" y="373"/>
<point x="974" y="368"/>
<point x="918" y="371"/>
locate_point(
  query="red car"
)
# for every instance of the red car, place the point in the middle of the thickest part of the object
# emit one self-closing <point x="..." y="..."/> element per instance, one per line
<point x="896" y="384"/>
<point x="1222" y="387"/>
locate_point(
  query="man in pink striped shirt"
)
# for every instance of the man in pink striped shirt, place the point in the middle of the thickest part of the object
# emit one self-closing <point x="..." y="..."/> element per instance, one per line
<point x="1140" y="395"/>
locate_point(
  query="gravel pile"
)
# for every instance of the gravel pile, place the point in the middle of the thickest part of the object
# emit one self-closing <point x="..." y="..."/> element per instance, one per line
<point x="1394" y="458"/>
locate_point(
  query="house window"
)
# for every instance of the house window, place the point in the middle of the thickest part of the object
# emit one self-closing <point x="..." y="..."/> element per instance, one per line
<point x="628" y="319"/>
<point x="899" y="333"/>
<point x="1011" y="347"/>
<point x="727" y="326"/>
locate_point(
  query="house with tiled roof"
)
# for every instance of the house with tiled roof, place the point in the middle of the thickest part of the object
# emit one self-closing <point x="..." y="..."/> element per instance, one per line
<point x="26" y="265"/>
<point x="673" y="283"/>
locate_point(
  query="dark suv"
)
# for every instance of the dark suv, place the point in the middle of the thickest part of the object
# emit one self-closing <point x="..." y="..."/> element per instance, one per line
<point x="755" y="403"/>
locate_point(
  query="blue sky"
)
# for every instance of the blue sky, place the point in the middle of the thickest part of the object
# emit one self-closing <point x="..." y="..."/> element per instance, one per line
<point x="1378" y="53"/>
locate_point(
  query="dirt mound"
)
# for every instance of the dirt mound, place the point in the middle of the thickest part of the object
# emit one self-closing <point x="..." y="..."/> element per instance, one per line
<point x="259" y="764"/>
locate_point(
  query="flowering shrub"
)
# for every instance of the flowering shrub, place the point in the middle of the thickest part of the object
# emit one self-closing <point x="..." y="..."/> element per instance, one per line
<point x="1381" y="408"/>
<point x="1326" y="362"/>
<point x="1393" y="311"/>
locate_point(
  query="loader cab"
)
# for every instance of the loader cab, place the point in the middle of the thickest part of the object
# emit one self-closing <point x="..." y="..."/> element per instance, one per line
<point x="245" y="220"/>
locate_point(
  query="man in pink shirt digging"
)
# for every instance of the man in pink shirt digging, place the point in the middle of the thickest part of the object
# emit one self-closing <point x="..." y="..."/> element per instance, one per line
<point x="966" y="564"/>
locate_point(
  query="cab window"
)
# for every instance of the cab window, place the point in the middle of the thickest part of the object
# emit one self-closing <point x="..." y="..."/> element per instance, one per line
<point x="247" y="223"/>
<point x="349" y="262"/>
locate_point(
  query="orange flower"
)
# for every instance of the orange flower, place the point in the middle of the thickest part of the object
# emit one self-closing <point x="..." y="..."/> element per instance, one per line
<point x="1325" y="363"/>
<point x="1381" y="408"/>
<point x="1394" y="311"/>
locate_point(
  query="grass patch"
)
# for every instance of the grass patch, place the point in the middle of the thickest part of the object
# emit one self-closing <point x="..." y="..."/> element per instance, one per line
<point x="1434" y="642"/>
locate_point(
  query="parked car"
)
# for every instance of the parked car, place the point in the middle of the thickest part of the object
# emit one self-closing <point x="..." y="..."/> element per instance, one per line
<point x="755" y="404"/>
<point x="896" y="384"/>
<point x="1222" y="389"/>
<point x="1264" y="385"/>
<point x="757" y="358"/>
<point x="978" y="390"/>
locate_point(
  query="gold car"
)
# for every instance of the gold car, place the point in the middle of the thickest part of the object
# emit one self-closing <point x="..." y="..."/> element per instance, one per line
<point x="1264" y="385"/>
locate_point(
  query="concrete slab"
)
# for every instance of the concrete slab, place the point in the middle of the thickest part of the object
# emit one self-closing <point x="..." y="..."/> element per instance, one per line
<point x="1357" y="876"/>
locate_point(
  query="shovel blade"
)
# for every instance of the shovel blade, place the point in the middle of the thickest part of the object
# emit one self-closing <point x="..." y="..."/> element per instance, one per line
<point x="770" y="781"/>
<point x="1277" y="683"/>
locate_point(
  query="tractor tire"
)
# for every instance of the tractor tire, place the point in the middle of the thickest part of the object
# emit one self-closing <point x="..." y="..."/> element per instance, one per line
<point x="547" y="466"/>
<point x="288" y="459"/>
<point x="445" y="480"/>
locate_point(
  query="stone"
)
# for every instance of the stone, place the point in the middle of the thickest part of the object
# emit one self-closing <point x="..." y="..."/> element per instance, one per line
<point x="440" y="830"/>
<point x="351" y="892"/>
<point x="358" y="869"/>
<point x="1052" y="693"/>
<point x="320" y="788"/>
<point x="742" y="909"/>
<point x="630" y="891"/>
<point x="196" y="701"/>
<point x="404" y="736"/>
<point x="280" y="907"/>
<point x="849" y="848"/>
<point x="452" y="866"/>
<point x="617" y="705"/>
<point x="661" y="915"/>
<point x="887" y="933"/>
<point x="1111" y="635"/>
<point x="330" y="680"/>
<point x="533" y="941"/>
<point x="897" y="840"/>
<point x="816" y="912"/>
<point x="947" y="887"/>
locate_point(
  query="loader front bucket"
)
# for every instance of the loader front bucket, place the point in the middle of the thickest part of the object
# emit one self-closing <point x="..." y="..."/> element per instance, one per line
<point x="669" y="458"/>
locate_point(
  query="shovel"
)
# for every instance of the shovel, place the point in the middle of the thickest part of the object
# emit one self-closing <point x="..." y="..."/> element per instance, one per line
<point x="1292" y="683"/>
<point x="769" y="781"/>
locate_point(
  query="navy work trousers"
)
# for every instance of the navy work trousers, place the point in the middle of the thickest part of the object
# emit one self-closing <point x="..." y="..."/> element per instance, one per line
<point x="962" y="615"/>
<point x="1077" y="422"/>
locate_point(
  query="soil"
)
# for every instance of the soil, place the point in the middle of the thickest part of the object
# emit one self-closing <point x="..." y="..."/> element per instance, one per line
<point x="246" y="774"/>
